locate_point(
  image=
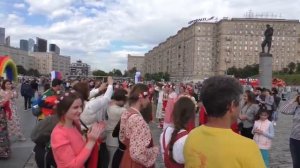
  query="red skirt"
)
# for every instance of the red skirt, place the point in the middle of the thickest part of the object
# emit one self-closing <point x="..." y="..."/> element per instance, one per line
<point x="127" y="161"/>
<point x="164" y="105"/>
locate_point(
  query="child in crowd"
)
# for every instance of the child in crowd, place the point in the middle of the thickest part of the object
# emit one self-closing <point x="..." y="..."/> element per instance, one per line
<point x="263" y="131"/>
<point x="173" y="138"/>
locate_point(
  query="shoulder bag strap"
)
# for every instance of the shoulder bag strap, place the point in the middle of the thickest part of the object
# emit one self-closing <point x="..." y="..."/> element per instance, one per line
<point x="181" y="134"/>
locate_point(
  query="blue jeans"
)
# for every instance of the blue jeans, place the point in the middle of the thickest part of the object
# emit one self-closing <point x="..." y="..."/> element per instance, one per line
<point x="295" y="152"/>
<point x="275" y="116"/>
<point x="265" y="155"/>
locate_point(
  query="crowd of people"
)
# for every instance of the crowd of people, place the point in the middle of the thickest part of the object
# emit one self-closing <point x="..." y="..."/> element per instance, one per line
<point x="90" y="123"/>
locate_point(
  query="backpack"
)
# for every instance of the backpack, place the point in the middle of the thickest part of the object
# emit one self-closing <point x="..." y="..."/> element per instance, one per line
<point x="35" y="108"/>
<point x="40" y="135"/>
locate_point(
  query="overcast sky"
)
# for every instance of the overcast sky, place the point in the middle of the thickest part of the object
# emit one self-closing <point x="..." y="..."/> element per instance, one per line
<point x="102" y="32"/>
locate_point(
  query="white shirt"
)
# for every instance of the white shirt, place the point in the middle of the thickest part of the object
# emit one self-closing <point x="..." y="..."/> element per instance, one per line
<point x="177" y="147"/>
<point x="160" y="96"/>
<point x="93" y="92"/>
<point x="95" y="109"/>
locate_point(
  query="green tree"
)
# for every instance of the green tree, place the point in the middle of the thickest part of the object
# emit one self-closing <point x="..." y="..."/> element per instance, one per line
<point x="147" y="77"/>
<point x="21" y="70"/>
<point x="167" y="76"/>
<point x="99" y="73"/>
<point x="33" y="72"/>
<point x="161" y="76"/>
<point x="298" y="68"/>
<point x="232" y="71"/>
<point x="30" y="72"/>
<point x="285" y="70"/>
<point x="250" y="70"/>
<point x="132" y="71"/>
<point x="129" y="73"/>
<point x="36" y="73"/>
<point x="292" y="67"/>
<point x="126" y="73"/>
<point x="110" y="73"/>
<point x="247" y="71"/>
<point x="115" y="72"/>
<point x="154" y="77"/>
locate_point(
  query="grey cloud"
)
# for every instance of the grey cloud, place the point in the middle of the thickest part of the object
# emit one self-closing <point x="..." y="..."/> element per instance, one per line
<point x="140" y="23"/>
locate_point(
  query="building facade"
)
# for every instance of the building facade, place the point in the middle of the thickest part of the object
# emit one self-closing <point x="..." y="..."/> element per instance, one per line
<point x="42" y="61"/>
<point x="49" y="61"/>
<point x="137" y="62"/>
<point x="7" y="41"/>
<point x="2" y="35"/>
<point x="20" y="57"/>
<point x="24" y="45"/>
<point x="208" y="48"/>
<point x="54" y="48"/>
<point x="41" y="45"/>
<point x="79" y="69"/>
<point x="31" y="45"/>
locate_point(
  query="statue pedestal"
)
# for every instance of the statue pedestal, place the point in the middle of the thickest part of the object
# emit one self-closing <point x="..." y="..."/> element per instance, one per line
<point x="265" y="70"/>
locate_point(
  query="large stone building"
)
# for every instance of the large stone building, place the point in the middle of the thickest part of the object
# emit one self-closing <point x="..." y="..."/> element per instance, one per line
<point x="19" y="56"/>
<point x="50" y="61"/>
<point x="79" y="69"/>
<point x="54" y="48"/>
<point x="24" y="45"/>
<point x="135" y="61"/>
<point x="208" y="48"/>
<point x="41" y="45"/>
<point x="44" y="62"/>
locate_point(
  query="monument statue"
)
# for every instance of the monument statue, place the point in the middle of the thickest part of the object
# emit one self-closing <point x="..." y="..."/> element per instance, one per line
<point x="268" y="39"/>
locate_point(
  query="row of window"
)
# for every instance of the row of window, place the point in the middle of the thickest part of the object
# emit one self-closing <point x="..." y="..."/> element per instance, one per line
<point x="263" y="25"/>
<point x="245" y="32"/>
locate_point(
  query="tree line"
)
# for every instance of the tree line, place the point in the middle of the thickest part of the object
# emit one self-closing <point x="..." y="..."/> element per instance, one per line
<point x="131" y="73"/>
<point x="30" y="72"/>
<point x="157" y="76"/>
<point x="115" y="72"/>
<point x="252" y="70"/>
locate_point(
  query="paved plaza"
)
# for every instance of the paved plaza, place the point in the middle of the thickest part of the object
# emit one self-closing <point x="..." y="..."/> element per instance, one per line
<point x="22" y="155"/>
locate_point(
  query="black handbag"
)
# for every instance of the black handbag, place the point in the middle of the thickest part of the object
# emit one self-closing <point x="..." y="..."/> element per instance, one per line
<point x="103" y="157"/>
<point x="116" y="161"/>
